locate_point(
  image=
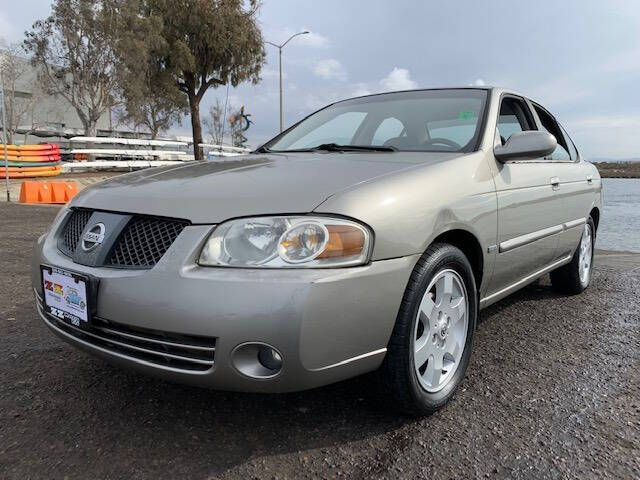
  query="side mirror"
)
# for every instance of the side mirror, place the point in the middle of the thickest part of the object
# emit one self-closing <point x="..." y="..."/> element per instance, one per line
<point x="526" y="146"/>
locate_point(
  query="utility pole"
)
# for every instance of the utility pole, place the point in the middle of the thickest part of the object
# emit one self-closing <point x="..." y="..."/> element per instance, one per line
<point x="280" y="47"/>
<point x="4" y="139"/>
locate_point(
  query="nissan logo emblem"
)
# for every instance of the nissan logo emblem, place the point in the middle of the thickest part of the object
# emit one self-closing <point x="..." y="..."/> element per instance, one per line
<point x="93" y="237"/>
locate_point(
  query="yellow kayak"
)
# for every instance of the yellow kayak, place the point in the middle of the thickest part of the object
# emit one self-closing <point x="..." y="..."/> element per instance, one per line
<point x="28" y="173"/>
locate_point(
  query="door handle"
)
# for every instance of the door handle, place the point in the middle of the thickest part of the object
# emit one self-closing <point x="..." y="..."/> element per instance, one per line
<point x="555" y="182"/>
<point x="589" y="178"/>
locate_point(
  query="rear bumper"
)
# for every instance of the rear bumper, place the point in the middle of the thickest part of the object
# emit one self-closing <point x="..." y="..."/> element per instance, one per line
<point x="328" y="324"/>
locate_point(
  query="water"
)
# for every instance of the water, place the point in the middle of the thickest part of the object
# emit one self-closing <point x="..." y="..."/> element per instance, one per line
<point x="620" y="219"/>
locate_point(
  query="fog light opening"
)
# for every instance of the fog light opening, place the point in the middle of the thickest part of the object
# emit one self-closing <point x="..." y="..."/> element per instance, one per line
<point x="257" y="360"/>
<point x="270" y="358"/>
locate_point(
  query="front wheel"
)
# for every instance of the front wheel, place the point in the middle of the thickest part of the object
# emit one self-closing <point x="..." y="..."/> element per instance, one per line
<point x="575" y="277"/>
<point x="430" y="346"/>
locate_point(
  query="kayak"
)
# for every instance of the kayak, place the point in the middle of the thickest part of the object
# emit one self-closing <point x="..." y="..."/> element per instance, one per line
<point x="30" y="158"/>
<point x="30" y="164"/>
<point x="28" y="174"/>
<point x="30" y="148"/>
<point x="32" y="169"/>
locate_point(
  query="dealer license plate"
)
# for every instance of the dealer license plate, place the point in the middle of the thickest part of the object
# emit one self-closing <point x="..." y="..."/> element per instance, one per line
<point x="65" y="295"/>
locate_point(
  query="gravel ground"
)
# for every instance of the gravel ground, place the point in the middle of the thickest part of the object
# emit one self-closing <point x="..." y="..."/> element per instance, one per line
<point x="553" y="391"/>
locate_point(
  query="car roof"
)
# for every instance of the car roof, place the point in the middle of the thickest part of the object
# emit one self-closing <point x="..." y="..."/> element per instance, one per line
<point x="495" y="89"/>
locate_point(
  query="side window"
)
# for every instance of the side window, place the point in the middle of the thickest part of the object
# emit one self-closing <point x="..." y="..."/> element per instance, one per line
<point x="514" y="117"/>
<point x="573" y="152"/>
<point x="389" y="128"/>
<point x="561" y="153"/>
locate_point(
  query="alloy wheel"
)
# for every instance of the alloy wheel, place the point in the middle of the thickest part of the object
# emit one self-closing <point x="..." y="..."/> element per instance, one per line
<point x="440" y="330"/>
<point x="586" y="251"/>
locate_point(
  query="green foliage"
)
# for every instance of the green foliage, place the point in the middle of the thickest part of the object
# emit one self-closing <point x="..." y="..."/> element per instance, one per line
<point x="202" y="44"/>
<point x="154" y="57"/>
<point x="150" y="96"/>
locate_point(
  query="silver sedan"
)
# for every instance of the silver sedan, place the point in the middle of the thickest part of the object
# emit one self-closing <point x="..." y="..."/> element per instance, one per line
<point x="366" y="237"/>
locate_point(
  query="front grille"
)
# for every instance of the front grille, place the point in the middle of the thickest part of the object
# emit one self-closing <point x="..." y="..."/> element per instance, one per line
<point x="73" y="230"/>
<point x="183" y="352"/>
<point x="144" y="241"/>
<point x="140" y="244"/>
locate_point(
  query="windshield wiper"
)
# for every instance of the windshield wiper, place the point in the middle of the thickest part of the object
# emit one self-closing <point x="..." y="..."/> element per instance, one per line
<point x="334" y="147"/>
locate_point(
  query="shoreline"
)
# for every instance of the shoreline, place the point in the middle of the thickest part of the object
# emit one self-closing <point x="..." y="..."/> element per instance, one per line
<point x="628" y="177"/>
<point x="618" y="169"/>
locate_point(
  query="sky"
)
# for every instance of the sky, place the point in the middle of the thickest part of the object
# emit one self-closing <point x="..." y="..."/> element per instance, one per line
<point x="578" y="58"/>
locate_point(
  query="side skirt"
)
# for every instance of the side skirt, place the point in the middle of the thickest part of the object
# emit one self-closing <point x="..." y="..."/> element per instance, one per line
<point x="500" y="294"/>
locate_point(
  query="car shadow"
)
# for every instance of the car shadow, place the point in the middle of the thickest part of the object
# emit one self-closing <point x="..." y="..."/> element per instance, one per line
<point x="536" y="291"/>
<point x="214" y="430"/>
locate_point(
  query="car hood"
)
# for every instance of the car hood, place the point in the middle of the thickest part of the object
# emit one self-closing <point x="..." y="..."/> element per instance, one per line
<point x="210" y="192"/>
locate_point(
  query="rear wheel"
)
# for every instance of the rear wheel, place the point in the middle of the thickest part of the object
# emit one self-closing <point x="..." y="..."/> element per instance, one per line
<point x="430" y="347"/>
<point x="575" y="277"/>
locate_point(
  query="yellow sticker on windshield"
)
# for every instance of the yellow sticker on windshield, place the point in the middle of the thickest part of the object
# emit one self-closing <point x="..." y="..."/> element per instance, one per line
<point x="465" y="115"/>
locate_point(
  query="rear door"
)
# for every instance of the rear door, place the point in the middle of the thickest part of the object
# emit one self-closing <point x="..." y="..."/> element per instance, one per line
<point x="529" y="219"/>
<point x="576" y="189"/>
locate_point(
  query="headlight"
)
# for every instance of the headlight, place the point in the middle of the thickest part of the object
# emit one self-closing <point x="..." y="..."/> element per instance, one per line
<point x="287" y="242"/>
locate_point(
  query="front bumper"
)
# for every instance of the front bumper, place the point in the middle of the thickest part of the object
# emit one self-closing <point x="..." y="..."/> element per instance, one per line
<point x="328" y="324"/>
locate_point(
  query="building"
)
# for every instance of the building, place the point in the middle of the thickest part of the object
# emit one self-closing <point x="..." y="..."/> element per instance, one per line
<point x="34" y="116"/>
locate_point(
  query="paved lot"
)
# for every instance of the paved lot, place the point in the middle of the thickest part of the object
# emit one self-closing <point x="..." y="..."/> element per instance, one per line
<point x="553" y="391"/>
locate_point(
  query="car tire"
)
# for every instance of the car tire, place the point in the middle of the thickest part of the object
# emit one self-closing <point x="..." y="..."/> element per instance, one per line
<point x="574" y="277"/>
<point x="428" y="326"/>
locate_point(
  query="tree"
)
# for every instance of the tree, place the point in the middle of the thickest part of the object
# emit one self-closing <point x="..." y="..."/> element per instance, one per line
<point x="151" y="107"/>
<point x="207" y="43"/>
<point x="74" y="51"/>
<point x="214" y="123"/>
<point x="150" y="99"/>
<point x="18" y="103"/>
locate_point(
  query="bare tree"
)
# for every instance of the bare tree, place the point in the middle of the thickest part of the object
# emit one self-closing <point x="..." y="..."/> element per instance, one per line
<point x="74" y="51"/>
<point x="214" y="123"/>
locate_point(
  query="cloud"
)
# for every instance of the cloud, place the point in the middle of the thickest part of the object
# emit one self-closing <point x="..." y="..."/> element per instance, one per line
<point x="272" y="73"/>
<point x="8" y="31"/>
<point x="360" y="89"/>
<point x="607" y="136"/>
<point x="478" y="82"/>
<point x="561" y="90"/>
<point x="330" y="69"/>
<point x="311" y="39"/>
<point x="313" y="102"/>
<point x="398" y="79"/>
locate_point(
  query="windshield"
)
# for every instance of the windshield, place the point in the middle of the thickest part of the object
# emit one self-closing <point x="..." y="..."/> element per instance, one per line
<point x="426" y="120"/>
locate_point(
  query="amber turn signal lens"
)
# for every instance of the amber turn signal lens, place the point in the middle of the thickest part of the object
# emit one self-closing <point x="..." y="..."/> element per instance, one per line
<point x="344" y="241"/>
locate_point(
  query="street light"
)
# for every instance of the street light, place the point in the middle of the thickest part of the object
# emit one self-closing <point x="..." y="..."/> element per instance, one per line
<point x="280" y="47"/>
<point x="4" y="137"/>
